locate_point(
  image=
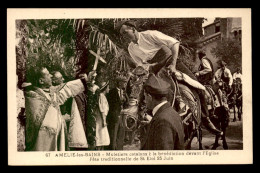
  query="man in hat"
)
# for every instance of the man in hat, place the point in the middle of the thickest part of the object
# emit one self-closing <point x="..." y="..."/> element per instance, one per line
<point x="223" y="73"/>
<point x="116" y="98"/>
<point x="165" y="131"/>
<point x="154" y="50"/>
<point x="237" y="74"/>
<point x="145" y="45"/>
<point x="224" y="77"/>
<point x="205" y="71"/>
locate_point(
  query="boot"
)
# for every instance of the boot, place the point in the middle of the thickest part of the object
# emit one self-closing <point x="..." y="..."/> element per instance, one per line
<point x="210" y="127"/>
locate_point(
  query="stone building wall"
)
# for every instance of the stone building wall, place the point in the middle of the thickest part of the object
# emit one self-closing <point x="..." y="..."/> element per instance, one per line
<point x="228" y="27"/>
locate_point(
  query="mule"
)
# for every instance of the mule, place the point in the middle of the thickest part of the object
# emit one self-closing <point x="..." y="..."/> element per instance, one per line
<point x="219" y="113"/>
<point x="235" y="99"/>
<point x="133" y="119"/>
<point x="132" y="114"/>
<point x="221" y="121"/>
<point x="192" y="118"/>
<point x="239" y="106"/>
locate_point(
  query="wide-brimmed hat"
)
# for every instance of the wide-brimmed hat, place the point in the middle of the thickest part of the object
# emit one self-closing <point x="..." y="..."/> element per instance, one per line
<point x="103" y="85"/>
<point x="156" y="85"/>
<point x="139" y="71"/>
<point x="124" y="22"/>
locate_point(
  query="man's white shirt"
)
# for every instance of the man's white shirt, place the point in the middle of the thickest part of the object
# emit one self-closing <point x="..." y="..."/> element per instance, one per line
<point x="206" y="65"/>
<point x="148" y="44"/>
<point x="227" y="73"/>
<point x="237" y="75"/>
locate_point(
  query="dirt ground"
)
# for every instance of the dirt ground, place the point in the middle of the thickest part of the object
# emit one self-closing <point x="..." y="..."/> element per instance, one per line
<point x="234" y="138"/>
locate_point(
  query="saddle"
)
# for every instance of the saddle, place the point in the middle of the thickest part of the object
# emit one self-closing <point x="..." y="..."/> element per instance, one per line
<point x="130" y="117"/>
<point x="182" y="90"/>
<point x="211" y="98"/>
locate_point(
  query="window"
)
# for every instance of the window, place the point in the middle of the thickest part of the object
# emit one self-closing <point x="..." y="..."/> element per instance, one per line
<point x="217" y="27"/>
<point x="235" y="34"/>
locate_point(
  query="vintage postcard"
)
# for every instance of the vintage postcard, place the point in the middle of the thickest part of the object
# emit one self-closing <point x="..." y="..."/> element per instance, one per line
<point x="129" y="86"/>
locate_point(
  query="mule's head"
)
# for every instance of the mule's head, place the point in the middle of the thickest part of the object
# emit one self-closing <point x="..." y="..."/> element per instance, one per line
<point x="130" y="116"/>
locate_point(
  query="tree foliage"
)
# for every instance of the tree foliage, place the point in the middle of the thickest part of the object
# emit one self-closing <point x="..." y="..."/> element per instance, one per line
<point x="229" y="50"/>
<point x="64" y="44"/>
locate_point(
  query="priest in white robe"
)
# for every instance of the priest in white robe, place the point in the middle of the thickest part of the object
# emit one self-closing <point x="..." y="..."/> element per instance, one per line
<point x="45" y="126"/>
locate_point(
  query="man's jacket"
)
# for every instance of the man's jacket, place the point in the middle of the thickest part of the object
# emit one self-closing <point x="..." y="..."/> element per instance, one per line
<point x="165" y="131"/>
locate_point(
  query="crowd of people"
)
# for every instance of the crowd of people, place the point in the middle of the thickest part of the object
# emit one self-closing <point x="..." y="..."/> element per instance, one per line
<point x="54" y="115"/>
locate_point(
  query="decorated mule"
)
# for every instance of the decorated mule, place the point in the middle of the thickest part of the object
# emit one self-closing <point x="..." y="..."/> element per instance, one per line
<point x="135" y="116"/>
<point x="191" y="118"/>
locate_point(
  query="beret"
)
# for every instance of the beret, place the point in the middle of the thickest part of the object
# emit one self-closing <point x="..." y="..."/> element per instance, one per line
<point x="157" y="86"/>
<point x="104" y="85"/>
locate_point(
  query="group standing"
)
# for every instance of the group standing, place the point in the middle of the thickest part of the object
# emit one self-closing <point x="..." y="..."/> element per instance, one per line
<point x="53" y="114"/>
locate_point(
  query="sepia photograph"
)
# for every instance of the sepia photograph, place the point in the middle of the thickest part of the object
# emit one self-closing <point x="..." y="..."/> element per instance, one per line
<point x="133" y="88"/>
